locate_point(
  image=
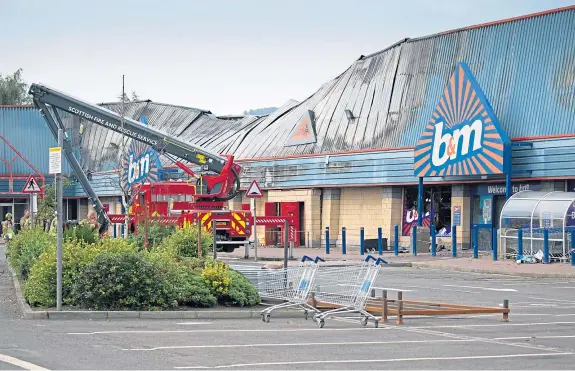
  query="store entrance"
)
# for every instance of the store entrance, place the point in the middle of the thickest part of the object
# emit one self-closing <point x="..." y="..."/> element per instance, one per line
<point x="486" y="210"/>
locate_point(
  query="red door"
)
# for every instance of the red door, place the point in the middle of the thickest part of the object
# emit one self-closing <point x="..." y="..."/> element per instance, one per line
<point x="292" y="209"/>
<point x="272" y="235"/>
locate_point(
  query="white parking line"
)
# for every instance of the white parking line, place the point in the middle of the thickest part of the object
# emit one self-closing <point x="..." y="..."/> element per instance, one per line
<point x="375" y="287"/>
<point x="481" y="288"/>
<point x="415" y="359"/>
<point x="302" y="344"/>
<point x="194" y="323"/>
<point x="20" y="363"/>
<point x="215" y="331"/>
<point x="512" y="324"/>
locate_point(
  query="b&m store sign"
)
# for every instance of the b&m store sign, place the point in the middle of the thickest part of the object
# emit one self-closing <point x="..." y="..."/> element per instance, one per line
<point x="463" y="136"/>
<point x="140" y="164"/>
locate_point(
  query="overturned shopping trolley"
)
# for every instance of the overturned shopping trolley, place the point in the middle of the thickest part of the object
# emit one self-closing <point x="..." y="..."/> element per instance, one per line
<point x="291" y="285"/>
<point x="346" y="288"/>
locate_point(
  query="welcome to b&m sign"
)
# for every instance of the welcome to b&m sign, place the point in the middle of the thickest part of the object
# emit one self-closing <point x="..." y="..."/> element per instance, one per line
<point x="463" y="136"/>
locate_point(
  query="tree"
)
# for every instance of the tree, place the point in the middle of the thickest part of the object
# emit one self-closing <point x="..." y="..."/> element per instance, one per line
<point x="13" y="89"/>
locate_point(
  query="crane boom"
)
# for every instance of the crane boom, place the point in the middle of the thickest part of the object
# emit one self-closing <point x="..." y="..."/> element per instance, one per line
<point x="220" y="187"/>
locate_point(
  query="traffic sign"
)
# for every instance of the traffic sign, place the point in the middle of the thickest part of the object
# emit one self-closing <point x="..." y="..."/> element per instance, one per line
<point x="31" y="186"/>
<point x="254" y="191"/>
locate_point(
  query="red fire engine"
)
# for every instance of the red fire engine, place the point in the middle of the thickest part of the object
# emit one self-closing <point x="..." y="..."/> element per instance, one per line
<point x="173" y="203"/>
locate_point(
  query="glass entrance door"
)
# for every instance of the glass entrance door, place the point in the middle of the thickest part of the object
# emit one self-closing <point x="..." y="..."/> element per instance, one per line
<point x="482" y="220"/>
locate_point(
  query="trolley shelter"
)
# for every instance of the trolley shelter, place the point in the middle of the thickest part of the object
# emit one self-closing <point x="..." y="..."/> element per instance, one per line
<point x="533" y="213"/>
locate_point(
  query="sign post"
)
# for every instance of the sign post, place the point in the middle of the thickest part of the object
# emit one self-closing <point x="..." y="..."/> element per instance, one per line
<point x="56" y="168"/>
<point x="33" y="188"/>
<point x="254" y="191"/>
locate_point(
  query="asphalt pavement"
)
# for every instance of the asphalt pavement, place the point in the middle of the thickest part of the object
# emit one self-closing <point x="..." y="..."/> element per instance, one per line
<point x="540" y="334"/>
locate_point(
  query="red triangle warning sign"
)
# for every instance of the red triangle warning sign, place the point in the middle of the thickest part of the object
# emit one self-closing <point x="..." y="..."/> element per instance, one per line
<point x="304" y="132"/>
<point x="31" y="186"/>
<point x="254" y="191"/>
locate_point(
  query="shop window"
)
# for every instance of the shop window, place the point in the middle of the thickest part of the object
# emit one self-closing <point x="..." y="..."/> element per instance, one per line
<point x="436" y="209"/>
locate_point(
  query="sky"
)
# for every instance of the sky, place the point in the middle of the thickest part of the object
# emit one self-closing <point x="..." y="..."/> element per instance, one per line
<point x="220" y="55"/>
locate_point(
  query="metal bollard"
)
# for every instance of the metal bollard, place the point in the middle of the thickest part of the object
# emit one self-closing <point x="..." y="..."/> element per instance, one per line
<point x="454" y="241"/>
<point x="379" y="241"/>
<point x="545" y="246"/>
<point x="396" y="240"/>
<point x="361" y="241"/>
<point x="494" y="242"/>
<point x="433" y="240"/>
<point x="520" y="243"/>
<point x="414" y="241"/>
<point x="475" y="242"/>
<point x="573" y="247"/>
<point x="327" y="240"/>
<point x="399" y="319"/>
<point x="343" y="241"/>
<point x="384" y="311"/>
<point x="505" y="315"/>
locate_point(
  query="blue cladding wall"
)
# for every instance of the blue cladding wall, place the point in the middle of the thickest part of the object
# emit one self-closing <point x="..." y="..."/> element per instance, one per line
<point x="27" y="131"/>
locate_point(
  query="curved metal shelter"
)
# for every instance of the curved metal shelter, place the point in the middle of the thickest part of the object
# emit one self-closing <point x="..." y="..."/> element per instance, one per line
<point x="532" y="212"/>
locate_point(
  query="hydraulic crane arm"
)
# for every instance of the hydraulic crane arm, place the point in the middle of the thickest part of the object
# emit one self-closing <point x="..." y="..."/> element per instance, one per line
<point x="220" y="187"/>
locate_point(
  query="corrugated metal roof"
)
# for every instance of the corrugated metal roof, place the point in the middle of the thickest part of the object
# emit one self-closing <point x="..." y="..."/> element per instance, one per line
<point x="526" y="68"/>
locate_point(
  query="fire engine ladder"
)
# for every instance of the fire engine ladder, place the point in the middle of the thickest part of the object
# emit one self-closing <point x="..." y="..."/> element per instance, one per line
<point x="161" y="142"/>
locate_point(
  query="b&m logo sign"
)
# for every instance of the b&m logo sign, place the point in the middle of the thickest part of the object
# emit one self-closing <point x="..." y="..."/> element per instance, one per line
<point x="140" y="164"/>
<point x="463" y="136"/>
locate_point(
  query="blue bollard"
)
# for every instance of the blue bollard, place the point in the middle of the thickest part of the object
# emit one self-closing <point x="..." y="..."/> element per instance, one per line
<point x="545" y="246"/>
<point x="379" y="241"/>
<point x="520" y="243"/>
<point x="361" y="242"/>
<point x="433" y="240"/>
<point x="414" y="241"/>
<point x="494" y="242"/>
<point x="396" y="240"/>
<point x="115" y="230"/>
<point x="454" y="241"/>
<point x="327" y="240"/>
<point x="475" y="242"/>
<point x="343" y="241"/>
<point x="573" y="247"/>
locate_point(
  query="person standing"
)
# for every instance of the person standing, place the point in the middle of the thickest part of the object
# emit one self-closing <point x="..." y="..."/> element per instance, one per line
<point x="8" y="228"/>
<point x="25" y="222"/>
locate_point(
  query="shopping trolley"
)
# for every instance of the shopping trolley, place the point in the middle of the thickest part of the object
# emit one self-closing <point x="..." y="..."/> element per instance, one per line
<point x="347" y="288"/>
<point x="291" y="285"/>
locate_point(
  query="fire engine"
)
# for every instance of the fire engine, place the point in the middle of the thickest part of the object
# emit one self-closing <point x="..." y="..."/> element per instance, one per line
<point x="173" y="203"/>
<point x="181" y="203"/>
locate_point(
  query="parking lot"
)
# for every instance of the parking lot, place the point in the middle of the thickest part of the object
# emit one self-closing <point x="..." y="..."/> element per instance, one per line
<point x="540" y="334"/>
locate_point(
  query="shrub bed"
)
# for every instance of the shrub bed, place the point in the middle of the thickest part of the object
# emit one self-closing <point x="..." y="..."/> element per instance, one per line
<point x="117" y="274"/>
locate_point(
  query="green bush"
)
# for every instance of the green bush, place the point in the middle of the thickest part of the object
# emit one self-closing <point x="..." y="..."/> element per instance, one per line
<point x="185" y="285"/>
<point x="241" y="291"/>
<point x="25" y="249"/>
<point x="229" y="286"/>
<point x="121" y="281"/>
<point x="157" y="232"/>
<point x="183" y="243"/>
<point x="216" y="274"/>
<point x="82" y="233"/>
<point x="40" y="288"/>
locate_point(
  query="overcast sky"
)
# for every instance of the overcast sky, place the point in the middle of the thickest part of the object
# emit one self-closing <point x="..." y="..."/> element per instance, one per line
<point x="225" y="56"/>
